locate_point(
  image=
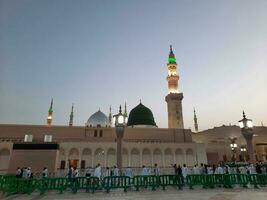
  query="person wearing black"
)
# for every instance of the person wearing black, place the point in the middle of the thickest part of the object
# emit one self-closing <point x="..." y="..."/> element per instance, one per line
<point x="180" y="173"/>
<point x="175" y="169"/>
<point x="179" y="170"/>
<point x="258" y="169"/>
<point x="19" y="173"/>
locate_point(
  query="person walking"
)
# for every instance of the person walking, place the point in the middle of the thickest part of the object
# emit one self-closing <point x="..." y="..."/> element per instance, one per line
<point x="209" y="170"/>
<point x="156" y="170"/>
<point x="116" y="171"/>
<point x="184" y="171"/>
<point x="29" y="173"/>
<point x="88" y="172"/>
<point x="202" y="169"/>
<point x="129" y="172"/>
<point x="18" y="173"/>
<point x="175" y="169"/>
<point x="75" y="173"/>
<point x="97" y="172"/>
<point x="196" y="169"/>
<point x="108" y="172"/>
<point x="219" y="170"/>
<point x="179" y="170"/>
<point x="145" y="171"/>
<point x="45" y="172"/>
<point x="252" y="169"/>
<point x="70" y="172"/>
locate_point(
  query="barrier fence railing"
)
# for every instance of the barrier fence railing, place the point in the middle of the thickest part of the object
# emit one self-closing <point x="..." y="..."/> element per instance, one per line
<point x="112" y="182"/>
<point x="9" y="184"/>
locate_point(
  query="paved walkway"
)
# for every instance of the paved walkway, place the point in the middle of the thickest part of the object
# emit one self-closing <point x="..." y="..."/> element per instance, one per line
<point x="169" y="194"/>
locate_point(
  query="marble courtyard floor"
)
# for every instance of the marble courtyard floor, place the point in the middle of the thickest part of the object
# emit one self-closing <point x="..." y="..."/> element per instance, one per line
<point x="169" y="194"/>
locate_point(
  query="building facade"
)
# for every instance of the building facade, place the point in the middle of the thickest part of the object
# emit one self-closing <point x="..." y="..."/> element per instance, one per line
<point x="59" y="147"/>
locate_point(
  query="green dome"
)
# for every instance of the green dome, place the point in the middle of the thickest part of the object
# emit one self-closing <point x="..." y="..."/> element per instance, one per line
<point x="141" y="115"/>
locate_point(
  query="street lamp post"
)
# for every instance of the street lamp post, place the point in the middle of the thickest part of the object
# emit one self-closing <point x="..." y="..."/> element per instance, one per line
<point x="120" y="123"/>
<point x="247" y="131"/>
<point x="243" y="152"/>
<point x="233" y="146"/>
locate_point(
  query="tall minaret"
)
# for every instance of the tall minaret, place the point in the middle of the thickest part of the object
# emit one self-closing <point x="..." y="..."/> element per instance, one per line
<point x="125" y="114"/>
<point x="195" y="121"/>
<point x="71" y="116"/>
<point x="110" y="116"/>
<point x="125" y="110"/>
<point x="174" y="98"/>
<point x="50" y="112"/>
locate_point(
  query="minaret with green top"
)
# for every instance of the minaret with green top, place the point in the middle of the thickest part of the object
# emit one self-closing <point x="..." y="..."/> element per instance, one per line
<point x="174" y="98"/>
<point x="172" y="77"/>
<point x="71" y="116"/>
<point x="50" y="112"/>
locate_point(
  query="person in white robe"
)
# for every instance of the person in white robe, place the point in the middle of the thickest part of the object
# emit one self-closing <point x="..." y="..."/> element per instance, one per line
<point x="210" y="170"/>
<point x="116" y="171"/>
<point x="97" y="172"/>
<point x="129" y="172"/>
<point x="184" y="171"/>
<point x="145" y="171"/>
<point x="196" y="169"/>
<point x="219" y="170"/>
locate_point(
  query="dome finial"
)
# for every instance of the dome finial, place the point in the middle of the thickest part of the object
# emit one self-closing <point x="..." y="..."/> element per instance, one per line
<point x="244" y="114"/>
<point x="120" y="109"/>
<point x="171" y="49"/>
<point x="172" y="59"/>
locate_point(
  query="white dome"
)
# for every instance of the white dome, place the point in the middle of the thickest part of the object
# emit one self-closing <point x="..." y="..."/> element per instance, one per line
<point x="98" y="119"/>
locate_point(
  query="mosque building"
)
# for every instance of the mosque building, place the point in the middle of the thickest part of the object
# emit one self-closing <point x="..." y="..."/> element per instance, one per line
<point x="144" y="143"/>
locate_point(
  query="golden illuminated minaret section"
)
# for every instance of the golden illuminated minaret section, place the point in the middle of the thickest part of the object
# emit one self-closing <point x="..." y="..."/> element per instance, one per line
<point x="50" y="112"/>
<point x="174" y="98"/>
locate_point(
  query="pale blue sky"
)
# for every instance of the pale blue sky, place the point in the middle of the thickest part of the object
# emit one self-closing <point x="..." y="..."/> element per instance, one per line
<point x="100" y="53"/>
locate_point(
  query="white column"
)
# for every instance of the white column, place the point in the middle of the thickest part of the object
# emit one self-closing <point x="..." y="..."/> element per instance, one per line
<point x="185" y="160"/>
<point x="129" y="159"/>
<point x="141" y="157"/>
<point x="106" y="157"/>
<point x="93" y="157"/>
<point x="67" y="158"/>
<point x="80" y="158"/>
<point x="152" y="158"/>
<point x="163" y="156"/>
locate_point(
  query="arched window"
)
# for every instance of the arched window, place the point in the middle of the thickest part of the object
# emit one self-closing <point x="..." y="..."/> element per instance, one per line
<point x="95" y="133"/>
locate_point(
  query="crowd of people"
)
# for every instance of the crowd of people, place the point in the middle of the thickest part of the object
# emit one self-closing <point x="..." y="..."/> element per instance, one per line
<point x="220" y="169"/>
<point x="183" y="170"/>
<point x="26" y="172"/>
<point x="100" y="172"/>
